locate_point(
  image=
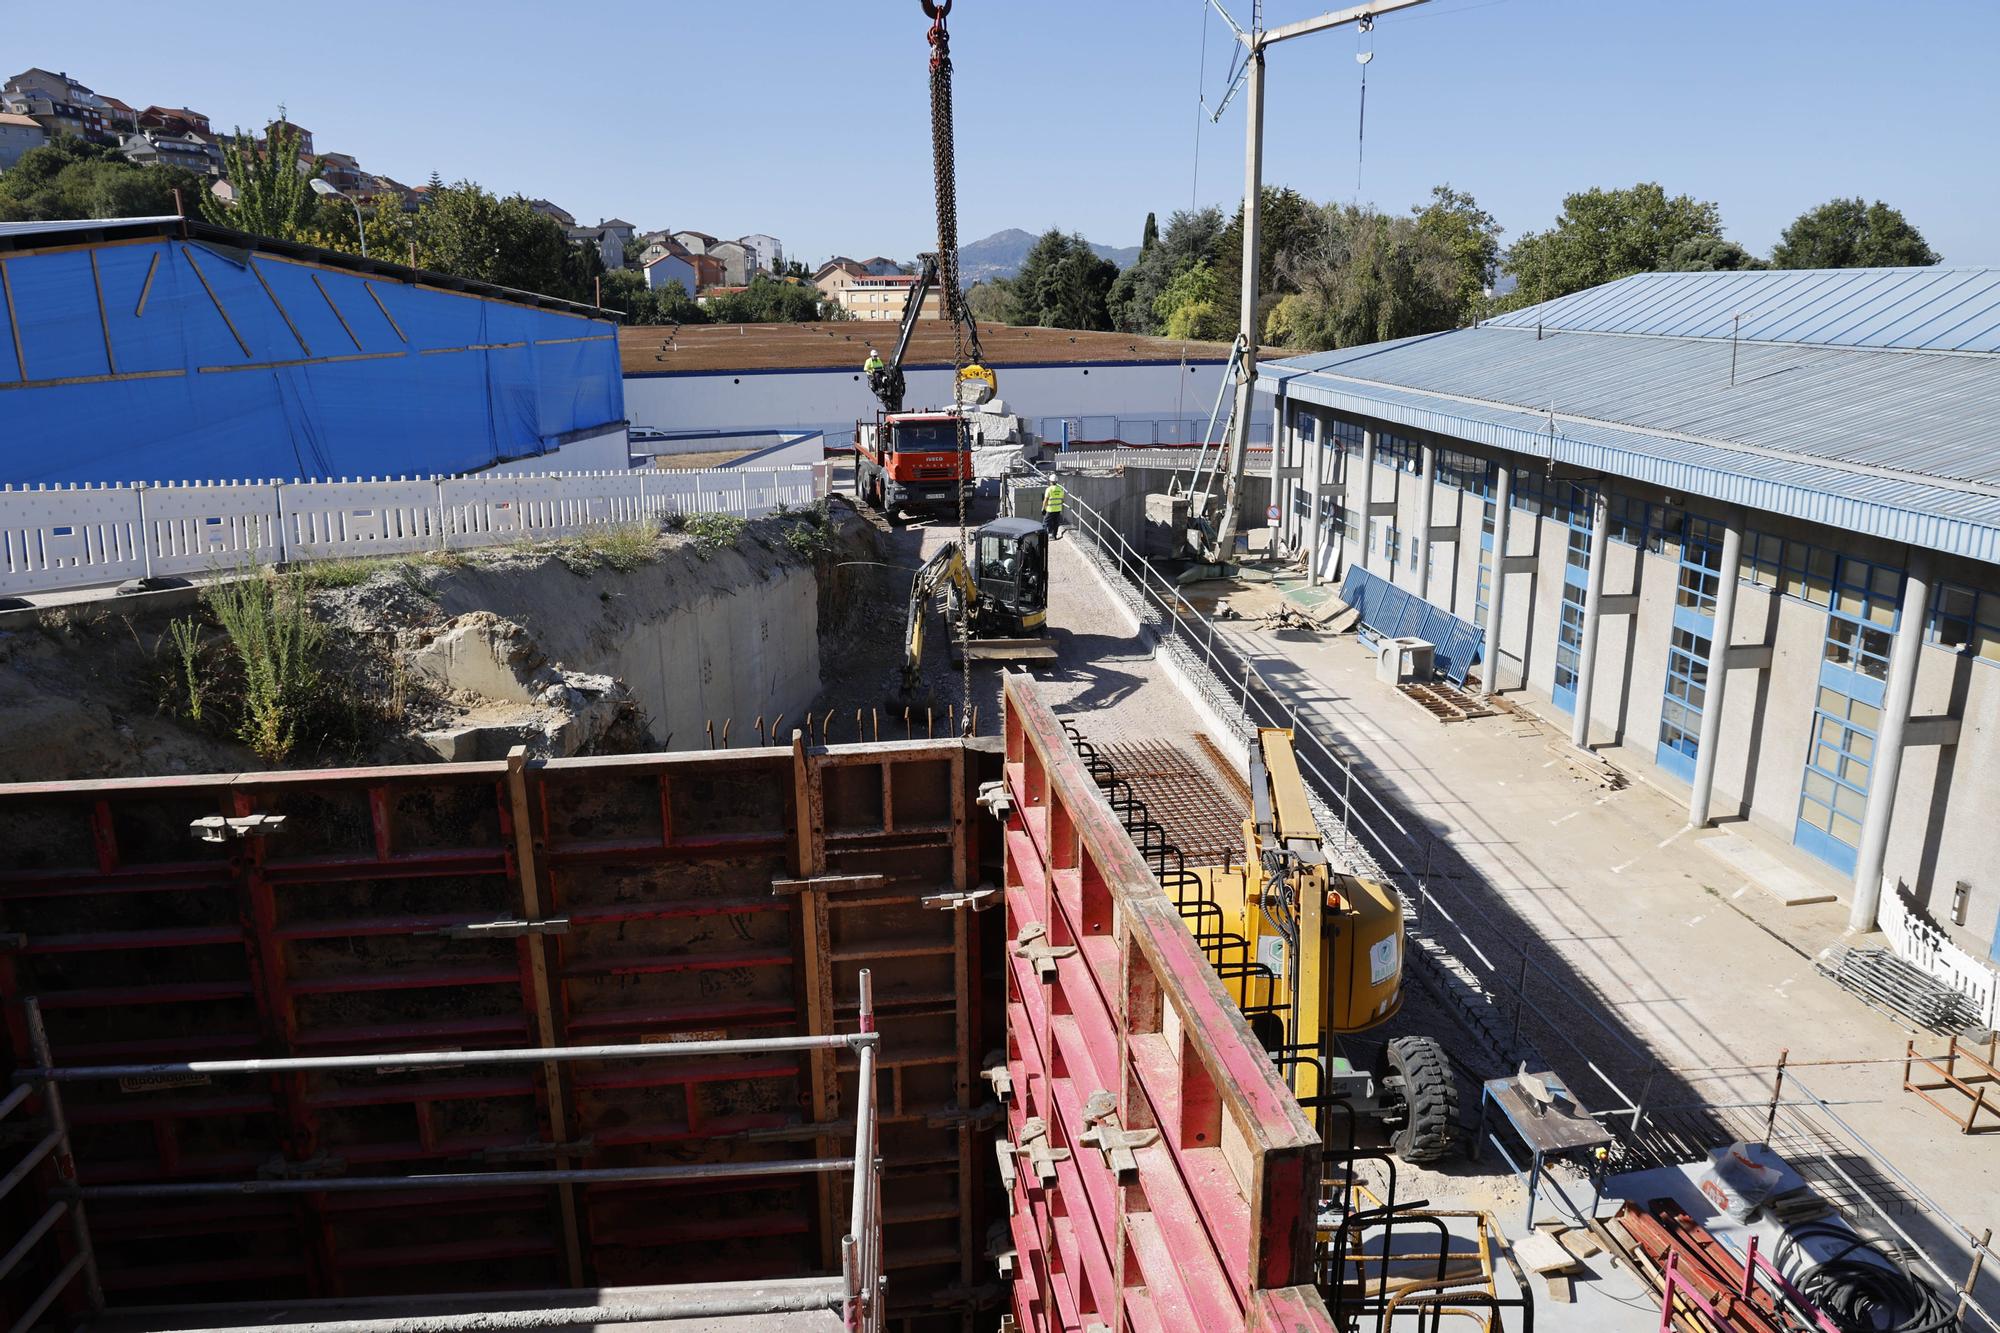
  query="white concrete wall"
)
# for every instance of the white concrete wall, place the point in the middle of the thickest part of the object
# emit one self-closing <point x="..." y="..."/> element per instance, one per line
<point x="602" y="451"/>
<point x="1943" y="830"/>
<point x="833" y="400"/>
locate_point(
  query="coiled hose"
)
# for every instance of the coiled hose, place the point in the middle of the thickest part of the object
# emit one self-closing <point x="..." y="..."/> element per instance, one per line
<point x="1864" y="1297"/>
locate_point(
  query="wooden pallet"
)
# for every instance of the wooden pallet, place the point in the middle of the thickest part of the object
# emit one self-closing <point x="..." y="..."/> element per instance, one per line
<point x="1445" y="701"/>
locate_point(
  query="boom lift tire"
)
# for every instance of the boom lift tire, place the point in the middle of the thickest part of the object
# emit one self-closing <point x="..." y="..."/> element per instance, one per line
<point x="1416" y="1079"/>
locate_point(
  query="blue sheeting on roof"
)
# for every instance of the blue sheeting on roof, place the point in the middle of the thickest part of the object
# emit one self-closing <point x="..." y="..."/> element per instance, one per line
<point x="1898" y="443"/>
<point x="157" y="358"/>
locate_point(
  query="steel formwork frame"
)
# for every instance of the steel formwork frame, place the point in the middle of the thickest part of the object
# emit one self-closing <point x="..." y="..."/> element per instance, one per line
<point x="1159" y="1172"/>
<point x="860" y="1298"/>
<point x="552" y="910"/>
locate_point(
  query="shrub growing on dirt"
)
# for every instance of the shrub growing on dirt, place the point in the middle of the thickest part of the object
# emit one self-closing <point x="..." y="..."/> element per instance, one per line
<point x="277" y="646"/>
<point x="623" y="547"/>
<point x="712" y="532"/>
<point x="809" y="530"/>
<point x="186" y="635"/>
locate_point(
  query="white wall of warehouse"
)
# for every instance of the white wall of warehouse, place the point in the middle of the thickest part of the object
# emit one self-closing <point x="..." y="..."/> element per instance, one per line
<point x="833" y="400"/>
<point x="1942" y="831"/>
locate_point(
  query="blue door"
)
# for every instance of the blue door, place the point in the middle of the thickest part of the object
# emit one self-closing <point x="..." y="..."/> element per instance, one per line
<point x="1847" y="712"/>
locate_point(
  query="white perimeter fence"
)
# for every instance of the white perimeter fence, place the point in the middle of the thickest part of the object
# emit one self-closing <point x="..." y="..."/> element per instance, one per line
<point x="61" y="537"/>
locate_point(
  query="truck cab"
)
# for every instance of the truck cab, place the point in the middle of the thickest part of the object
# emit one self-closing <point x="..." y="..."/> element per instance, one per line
<point x="910" y="460"/>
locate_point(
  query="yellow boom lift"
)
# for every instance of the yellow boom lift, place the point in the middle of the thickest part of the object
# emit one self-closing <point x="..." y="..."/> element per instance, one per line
<point x="1311" y="954"/>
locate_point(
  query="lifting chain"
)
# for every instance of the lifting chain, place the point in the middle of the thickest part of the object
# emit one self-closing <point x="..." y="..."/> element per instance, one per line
<point x="944" y="165"/>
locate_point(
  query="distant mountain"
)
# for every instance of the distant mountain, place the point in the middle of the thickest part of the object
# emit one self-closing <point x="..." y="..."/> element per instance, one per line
<point x="1000" y="255"/>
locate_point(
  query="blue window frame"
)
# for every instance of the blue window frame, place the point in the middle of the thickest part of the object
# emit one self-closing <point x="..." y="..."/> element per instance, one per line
<point x="1763" y="558"/>
<point x="1399" y="453"/>
<point x="1576" y="574"/>
<point x="1628" y="520"/>
<point x="1964" y="620"/>
<point x="1699" y="544"/>
<point x="1686" y="696"/>
<point x="1392" y="544"/>
<point x="1834" y="792"/>
<point x="1860" y="624"/>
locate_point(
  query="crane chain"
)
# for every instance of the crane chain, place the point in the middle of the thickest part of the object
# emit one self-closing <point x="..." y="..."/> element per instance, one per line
<point x="944" y="167"/>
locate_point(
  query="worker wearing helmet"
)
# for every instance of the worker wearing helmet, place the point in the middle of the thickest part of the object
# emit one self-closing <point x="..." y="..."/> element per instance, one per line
<point x="1052" y="503"/>
<point x="873" y="365"/>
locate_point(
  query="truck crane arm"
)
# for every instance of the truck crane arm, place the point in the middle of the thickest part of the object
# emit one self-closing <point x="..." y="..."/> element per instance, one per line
<point x="888" y="382"/>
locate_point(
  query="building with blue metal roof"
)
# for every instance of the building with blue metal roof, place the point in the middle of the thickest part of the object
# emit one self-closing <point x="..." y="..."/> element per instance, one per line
<point x="1803" y="466"/>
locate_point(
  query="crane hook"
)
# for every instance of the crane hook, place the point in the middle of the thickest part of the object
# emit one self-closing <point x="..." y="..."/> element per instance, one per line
<point x="935" y="10"/>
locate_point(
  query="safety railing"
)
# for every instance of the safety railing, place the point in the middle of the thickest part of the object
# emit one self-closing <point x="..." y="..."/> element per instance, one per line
<point x="860" y="1296"/>
<point x="57" y="538"/>
<point x="1365" y="820"/>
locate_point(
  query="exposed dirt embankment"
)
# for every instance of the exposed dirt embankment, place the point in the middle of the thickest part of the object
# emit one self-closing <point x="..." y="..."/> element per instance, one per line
<point x="630" y="639"/>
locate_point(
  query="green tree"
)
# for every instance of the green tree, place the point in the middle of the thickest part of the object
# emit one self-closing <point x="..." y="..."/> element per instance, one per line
<point x="1709" y="254"/>
<point x="1847" y="233"/>
<point x="1468" y="232"/>
<point x="390" y="228"/>
<point x="991" y="301"/>
<point x="272" y="194"/>
<point x="1190" y="238"/>
<point x="1063" y="284"/>
<point x="466" y="231"/>
<point x="70" y="178"/>
<point x="1603" y="235"/>
<point x="769" y="300"/>
<point x="1150" y="237"/>
<point x="1367" y="277"/>
<point x="1286" y="225"/>
<point x="1192" y="306"/>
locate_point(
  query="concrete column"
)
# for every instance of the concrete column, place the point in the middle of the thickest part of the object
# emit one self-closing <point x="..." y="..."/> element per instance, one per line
<point x="1366" y="500"/>
<point x="1429" y="484"/>
<point x="1593" y="615"/>
<point x="1503" y="503"/>
<point x="1897" y="692"/>
<point x="1316" y="469"/>
<point x="1281" y="465"/>
<point x="1718" y="672"/>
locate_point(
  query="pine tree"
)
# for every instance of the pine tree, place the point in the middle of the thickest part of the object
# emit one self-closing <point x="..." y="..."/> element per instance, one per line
<point x="1151" y="237"/>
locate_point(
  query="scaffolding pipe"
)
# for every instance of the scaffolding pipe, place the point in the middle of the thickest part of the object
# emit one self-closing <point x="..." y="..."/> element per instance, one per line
<point x="398" y="1060"/>
<point x="561" y="1317"/>
<point x="85" y="1260"/>
<point x="193" y="1189"/>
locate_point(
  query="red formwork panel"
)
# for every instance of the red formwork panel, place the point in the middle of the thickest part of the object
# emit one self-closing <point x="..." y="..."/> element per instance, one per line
<point x="1161" y="1173"/>
<point x="676" y="896"/>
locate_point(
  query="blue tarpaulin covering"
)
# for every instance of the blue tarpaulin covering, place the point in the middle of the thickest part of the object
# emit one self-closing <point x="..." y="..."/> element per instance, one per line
<point x="158" y="358"/>
<point x="1389" y="612"/>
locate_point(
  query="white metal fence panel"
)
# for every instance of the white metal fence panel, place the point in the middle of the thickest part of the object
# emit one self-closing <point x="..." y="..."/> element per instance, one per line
<point x="194" y="529"/>
<point x="322" y="519"/>
<point x="52" y="538"/>
<point x="62" y="537"/>
<point x="1924" y="943"/>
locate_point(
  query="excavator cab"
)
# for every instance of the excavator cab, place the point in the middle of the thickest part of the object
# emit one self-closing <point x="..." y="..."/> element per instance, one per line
<point x="1011" y="566"/>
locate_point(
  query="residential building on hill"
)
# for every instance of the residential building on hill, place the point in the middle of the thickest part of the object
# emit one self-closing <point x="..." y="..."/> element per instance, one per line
<point x="18" y="134"/>
<point x="119" y="117"/>
<point x="737" y="262"/>
<point x="881" y="267"/>
<point x="766" y="252"/>
<point x="676" y="263"/>
<point x="838" y="264"/>
<point x="556" y="211"/>
<point x="697" y="241"/>
<point x="876" y="296"/>
<point x="175" y="120"/>
<point x="159" y="148"/>
<point x="57" y="117"/>
<point x="341" y="171"/>
<point x="305" y="135"/>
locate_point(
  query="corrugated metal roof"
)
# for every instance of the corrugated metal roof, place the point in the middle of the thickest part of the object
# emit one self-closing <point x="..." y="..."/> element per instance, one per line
<point x="1913" y="309"/>
<point x="1900" y="444"/>
<point x="76" y="224"/>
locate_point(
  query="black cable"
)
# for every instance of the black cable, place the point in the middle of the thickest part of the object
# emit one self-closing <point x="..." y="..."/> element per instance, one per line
<point x="1864" y="1297"/>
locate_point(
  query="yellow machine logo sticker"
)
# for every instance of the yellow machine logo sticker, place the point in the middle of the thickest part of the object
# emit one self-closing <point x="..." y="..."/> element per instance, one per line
<point x="1382" y="961"/>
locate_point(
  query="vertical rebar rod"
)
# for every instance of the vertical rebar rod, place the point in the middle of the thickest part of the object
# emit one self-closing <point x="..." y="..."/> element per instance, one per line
<point x="86" y="1257"/>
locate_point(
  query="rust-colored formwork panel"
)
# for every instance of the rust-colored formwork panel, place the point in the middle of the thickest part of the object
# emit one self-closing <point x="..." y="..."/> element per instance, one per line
<point x="1161" y="1173"/>
<point x="475" y="906"/>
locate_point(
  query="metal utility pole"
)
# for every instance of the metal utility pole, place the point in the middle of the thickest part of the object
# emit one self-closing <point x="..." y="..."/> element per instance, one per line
<point x="1254" y="43"/>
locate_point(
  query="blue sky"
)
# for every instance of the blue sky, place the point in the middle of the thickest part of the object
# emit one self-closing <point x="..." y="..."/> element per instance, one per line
<point x="808" y="118"/>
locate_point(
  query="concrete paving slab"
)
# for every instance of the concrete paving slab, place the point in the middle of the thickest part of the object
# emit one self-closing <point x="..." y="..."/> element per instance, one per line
<point x="1781" y="881"/>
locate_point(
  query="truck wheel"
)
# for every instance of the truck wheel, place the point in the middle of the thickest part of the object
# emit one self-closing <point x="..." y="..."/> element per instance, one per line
<point x="1419" y="1097"/>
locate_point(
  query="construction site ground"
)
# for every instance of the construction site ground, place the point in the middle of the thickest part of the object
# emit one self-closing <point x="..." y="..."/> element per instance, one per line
<point x="1651" y="953"/>
<point x="1672" y="943"/>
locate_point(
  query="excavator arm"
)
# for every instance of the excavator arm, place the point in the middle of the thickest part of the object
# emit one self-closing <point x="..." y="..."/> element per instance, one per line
<point x="888" y="382"/>
<point x="946" y="568"/>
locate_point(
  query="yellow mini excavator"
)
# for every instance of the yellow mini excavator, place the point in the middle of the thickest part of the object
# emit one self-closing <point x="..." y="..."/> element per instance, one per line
<point x="1003" y="591"/>
<point x="1311" y="954"/>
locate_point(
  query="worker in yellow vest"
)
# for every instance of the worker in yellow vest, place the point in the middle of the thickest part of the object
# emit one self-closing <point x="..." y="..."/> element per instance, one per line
<point x="1052" y="503"/>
